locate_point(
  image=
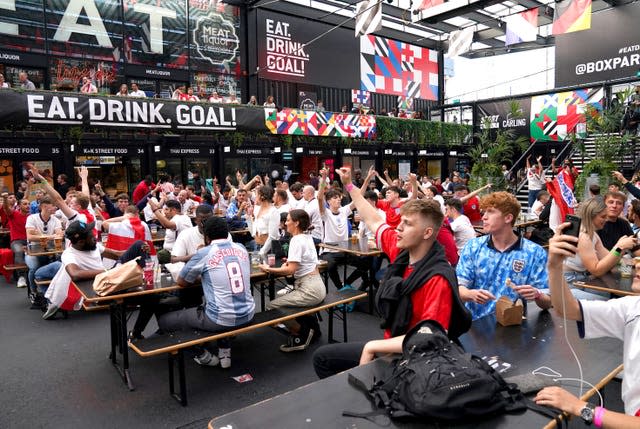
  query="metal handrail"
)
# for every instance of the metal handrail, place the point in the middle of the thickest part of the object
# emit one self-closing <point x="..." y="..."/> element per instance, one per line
<point x="560" y="158"/>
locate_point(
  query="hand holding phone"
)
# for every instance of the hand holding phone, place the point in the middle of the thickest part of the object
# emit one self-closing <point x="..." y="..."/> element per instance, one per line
<point x="574" y="228"/>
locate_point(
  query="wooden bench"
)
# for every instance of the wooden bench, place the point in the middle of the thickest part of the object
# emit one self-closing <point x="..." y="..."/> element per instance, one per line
<point x="174" y="344"/>
<point x="16" y="267"/>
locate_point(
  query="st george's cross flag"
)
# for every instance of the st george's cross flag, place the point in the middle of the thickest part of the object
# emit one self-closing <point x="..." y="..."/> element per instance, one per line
<point x="460" y="42"/>
<point x="368" y="17"/>
<point x="570" y="16"/>
<point x="123" y="234"/>
<point x="522" y="27"/>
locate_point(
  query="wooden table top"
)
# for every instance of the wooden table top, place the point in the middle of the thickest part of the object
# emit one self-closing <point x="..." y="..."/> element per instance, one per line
<point x="359" y="247"/>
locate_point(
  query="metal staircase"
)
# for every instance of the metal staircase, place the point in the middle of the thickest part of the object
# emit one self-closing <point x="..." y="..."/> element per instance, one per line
<point x="628" y="163"/>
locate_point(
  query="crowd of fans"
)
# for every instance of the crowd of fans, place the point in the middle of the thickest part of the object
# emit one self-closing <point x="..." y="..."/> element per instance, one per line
<point x="442" y="244"/>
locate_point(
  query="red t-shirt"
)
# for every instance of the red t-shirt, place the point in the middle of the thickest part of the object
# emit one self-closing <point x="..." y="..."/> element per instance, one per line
<point x="446" y="239"/>
<point x="433" y="300"/>
<point x="471" y="209"/>
<point x="393" y="213"/>
<point x="140" y="191"/>
<point x="17" y="225"/>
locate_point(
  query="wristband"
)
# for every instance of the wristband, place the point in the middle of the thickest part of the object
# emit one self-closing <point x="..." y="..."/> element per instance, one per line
<point x="597" y="416"/>
<point x="349" y="187"/>
<point x="616" y="252"/>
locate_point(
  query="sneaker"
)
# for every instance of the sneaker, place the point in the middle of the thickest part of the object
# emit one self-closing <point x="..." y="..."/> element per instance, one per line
<point x="224" y="355"/>
<point x="284" y="291"/>
<point x="38" y="303"/>
<point x="51" y="312"/>
<point x="297" y="342"/>
<point x="22" y="282"/>
<point x="349" y="307"/>
<point x="207" y="359"/>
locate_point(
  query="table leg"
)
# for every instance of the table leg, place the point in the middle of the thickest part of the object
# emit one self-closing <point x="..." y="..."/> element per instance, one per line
<point x="119" y="328"/>
<point x="272" y="287"/>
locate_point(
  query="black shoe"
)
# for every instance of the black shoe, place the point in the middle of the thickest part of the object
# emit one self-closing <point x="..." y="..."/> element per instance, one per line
<point x="39" y="303"/>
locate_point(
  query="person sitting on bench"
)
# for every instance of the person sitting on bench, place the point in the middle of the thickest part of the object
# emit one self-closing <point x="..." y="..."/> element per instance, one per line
<point x="308" y="288"/>
<point x="224" y="269"/>
<point x="418" y="271"/>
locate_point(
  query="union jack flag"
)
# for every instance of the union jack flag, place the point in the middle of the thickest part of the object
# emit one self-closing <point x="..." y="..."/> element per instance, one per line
<point x="360" y="97"/>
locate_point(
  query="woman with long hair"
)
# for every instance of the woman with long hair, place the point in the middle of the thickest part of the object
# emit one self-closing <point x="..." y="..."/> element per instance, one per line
<point x="262" y="211"/>
<point x="593" y="259"/>
<point x="308" y="287"/>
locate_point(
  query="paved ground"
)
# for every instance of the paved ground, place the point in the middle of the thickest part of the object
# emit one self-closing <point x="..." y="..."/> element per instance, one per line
<point x="56" y="373"/>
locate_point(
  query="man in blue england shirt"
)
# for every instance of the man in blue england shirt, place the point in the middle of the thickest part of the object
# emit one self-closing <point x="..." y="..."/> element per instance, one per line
<point x="501" y="263"/>
<point x="224" y="269"/>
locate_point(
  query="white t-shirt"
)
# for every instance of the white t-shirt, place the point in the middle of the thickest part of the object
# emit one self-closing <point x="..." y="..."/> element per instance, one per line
<point x="85" y="260"/>
<point x="462" y="231"/>
<point x="183" y="223"/>
<point x="188" y="242"/>
<point x="336" y="226"/>
<point x="187" y="206"/>
<point x="364" y="230"/>
<point x="303" y="251"/>
<point x="260" y="225"/>
<point x="619" y="318"/>
<point x="536" y="208"/>
<point x="296" y="204"/>
<point x="312" y="209"/>
<point x="535" y="180"/>
<point x="138" y="93"/>
<point x="35" y="221"/>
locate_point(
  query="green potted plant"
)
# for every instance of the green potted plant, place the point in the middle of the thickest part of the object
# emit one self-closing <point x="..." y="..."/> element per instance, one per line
<point x="610" y="146"/>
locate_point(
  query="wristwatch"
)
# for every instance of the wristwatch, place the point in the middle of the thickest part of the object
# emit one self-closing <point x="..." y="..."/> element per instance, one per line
<point x="587" y="412"/>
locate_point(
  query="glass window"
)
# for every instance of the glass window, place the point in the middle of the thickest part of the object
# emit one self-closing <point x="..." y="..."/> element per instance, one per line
<point x="67" y="73"/>
<point x="11" y="76"/>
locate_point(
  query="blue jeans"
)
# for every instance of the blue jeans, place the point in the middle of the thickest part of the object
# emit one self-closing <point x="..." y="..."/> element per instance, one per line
<point x="47" y="272"/>
<point x="533" y="195"/>
<point x="17" y="247"/>
<point x="34" y="262"/>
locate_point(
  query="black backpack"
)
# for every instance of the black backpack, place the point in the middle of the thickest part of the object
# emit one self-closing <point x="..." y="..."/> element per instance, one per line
<point x="437" y="379"/>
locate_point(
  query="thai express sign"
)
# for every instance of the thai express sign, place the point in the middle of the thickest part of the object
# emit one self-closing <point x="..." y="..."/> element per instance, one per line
<point x="70" y="109"/>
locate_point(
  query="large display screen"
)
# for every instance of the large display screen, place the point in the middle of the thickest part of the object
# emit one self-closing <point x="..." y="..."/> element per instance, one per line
<point x="85" y="29"/>
<point x="156" y="33"/>
<point x="284" y="52"/>
<point x="609" y="50"/>
<point x="22" y="26"/>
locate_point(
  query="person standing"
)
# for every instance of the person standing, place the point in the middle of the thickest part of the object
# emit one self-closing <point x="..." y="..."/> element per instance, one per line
<point x="535" y="180"/>
<point x="88" y="87"/>
<point x="136" y="92"/>
<point x="25" y="83"/>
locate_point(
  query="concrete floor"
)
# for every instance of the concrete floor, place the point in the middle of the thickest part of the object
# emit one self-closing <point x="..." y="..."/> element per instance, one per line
<point x="56" y="373"/>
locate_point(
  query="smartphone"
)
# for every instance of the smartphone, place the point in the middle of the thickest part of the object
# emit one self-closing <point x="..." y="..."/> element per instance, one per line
<point x="574" y="229"/>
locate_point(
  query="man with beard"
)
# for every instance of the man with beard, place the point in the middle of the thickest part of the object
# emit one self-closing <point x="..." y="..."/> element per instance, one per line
<point x="83" y="261"/>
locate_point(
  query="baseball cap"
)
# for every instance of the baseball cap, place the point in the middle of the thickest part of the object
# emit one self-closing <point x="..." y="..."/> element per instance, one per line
<point x="78" y="229"/>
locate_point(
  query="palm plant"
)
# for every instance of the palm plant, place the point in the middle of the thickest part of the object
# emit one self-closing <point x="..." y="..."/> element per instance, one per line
<point x="494" y="148"/>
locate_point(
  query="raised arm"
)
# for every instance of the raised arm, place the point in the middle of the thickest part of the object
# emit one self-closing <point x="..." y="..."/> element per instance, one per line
<point x="84" y="180"/>
<point x="387" y="177"/>
<point x="370" y="175"/>
<point x="474" y="193"/>
<point x="321" y="190"/>
<point x="384" y="182"/>
<point x="57" y="198"/>
<point x="528" y="165"/>
<point x="560" y="247"/>
<point x="415" y="187"/>
<point x="367" y="212"/>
